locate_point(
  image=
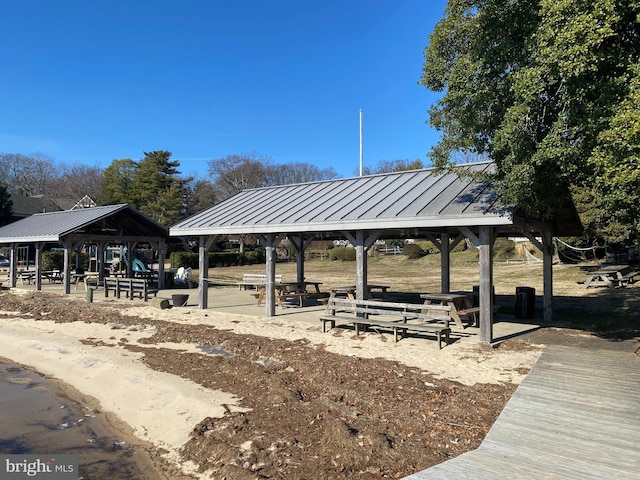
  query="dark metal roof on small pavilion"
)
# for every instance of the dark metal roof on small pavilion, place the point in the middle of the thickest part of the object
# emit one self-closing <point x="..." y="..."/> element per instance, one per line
<point x="119" y="221"/>
<point x="403" y="203"/>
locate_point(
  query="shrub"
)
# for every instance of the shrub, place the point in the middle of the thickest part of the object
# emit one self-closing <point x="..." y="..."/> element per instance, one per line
<point x="413" y="251"/>
<point x="183" y="259"/>
<point x="256" y="256"/>
<point x="428" y="247"/>
<point x="346" y="254"/>
<point x="504" y="249"/>
<point x="225" y="259"/>
<point x="53" y="260"/>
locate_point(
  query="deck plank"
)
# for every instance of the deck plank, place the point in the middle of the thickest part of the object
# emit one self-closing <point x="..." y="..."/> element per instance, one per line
<point x="575" y="416"/>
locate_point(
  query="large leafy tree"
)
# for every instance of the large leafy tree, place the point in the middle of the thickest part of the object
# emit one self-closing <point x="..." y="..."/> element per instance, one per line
<point x="117" y="183"/>
<point x="545" y="88"/>
<point x="201" y="194"/>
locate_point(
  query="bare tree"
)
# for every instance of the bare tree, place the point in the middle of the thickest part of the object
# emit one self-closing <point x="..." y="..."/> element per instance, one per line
<point x="289" y="173"/>
<point x="235" y="173"/>
<point x="388" y="166"/>
<point x="76" y="181"/>
<point x="28" y="175"/>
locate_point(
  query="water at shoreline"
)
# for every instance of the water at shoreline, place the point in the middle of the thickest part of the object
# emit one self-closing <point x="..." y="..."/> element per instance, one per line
<point x="39" y="417"/>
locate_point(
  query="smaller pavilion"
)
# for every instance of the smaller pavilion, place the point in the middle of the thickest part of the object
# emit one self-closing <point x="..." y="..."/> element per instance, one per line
<point x="72" y="229"/>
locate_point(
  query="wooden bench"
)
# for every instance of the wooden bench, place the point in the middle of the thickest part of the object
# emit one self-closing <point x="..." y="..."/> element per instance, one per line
<point x="133" y="287"/>
<point x="398" y="317"/>
<point x="625" y="279"/>
<point x="472" y="313"/>
<point x="255" y="280"/>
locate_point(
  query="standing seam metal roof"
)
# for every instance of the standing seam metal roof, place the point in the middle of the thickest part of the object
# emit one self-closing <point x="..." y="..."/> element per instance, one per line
<point x="410" y="199"/>
<point x="52" y="226"/>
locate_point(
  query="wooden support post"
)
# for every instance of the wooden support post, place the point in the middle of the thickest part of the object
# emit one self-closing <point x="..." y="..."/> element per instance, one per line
<point x="546" y="247"/>
<point x="129" y="259"/>
<point x="66" y="276"/>
<point x="162" y="250"/>
<point x="445" y="264"/>
<point x="362" y="244"/>
<point x="13" y="257"/>
<point x="301" y="244"/>
<point x="361" y="267"/>
<point x="486" y="284"/>
<point x="38" y="276"/>
<point x="547" y="307"/>
<point x="204" y="243"/>
<point x="203" y="268"/>
<point x="270" y="247"/>
<point x="101" y="250"/>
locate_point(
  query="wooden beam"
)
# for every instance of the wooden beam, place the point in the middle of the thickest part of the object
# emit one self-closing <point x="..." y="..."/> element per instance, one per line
<point x="532" y="238"/>
<point x="471" y="235"/>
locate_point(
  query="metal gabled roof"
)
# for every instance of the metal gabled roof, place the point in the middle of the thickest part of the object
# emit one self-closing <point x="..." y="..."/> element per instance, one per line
<point x="53" y="226"/>
<point x="410" y="199"/>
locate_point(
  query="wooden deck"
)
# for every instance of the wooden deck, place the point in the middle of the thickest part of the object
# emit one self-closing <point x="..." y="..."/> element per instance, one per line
<point x="575" y="416"/>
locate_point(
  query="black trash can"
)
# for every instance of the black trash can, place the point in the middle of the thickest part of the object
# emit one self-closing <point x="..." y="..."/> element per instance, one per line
<point x="179" y="300"/>
<point x="525" y="302"/>
<point x="475" y="299"/>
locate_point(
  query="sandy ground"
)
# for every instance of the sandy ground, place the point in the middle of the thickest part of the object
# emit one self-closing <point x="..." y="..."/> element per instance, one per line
<point x="163" y="408"/>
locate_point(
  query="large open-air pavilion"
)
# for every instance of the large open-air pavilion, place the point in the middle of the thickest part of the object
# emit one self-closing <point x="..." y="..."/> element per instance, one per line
<point x="445" y="208"/>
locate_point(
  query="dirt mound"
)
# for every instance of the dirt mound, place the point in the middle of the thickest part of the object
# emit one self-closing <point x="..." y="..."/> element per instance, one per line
<point x="312" y="413"/>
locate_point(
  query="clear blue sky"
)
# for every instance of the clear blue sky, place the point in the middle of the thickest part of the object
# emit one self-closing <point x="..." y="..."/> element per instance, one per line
<point x="87" y="82"/>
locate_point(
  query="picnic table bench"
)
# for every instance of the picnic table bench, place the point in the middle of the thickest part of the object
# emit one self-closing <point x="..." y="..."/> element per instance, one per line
<point x="398" y="317"/>
<point x="26" y="276"/>
<point x="132" y="287"/>
<point x="255" y="280"/>
<point x="610" y="276"/>
<point x="53" y="276"/>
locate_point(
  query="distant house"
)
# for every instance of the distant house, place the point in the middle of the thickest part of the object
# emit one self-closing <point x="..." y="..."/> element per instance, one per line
<point x="26" y="206"/>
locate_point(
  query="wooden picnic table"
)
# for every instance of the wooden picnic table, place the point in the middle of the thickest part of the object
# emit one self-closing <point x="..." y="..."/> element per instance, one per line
<point x="350" y="291"/>
<point x="287" y="290"/>
<point x="85" y="278"/>
<point x="610" y="276"/>
<point x="457" y="301"/>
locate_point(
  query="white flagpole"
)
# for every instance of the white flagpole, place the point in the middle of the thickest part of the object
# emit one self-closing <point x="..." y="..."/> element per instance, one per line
<point x="360" y="142"/>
